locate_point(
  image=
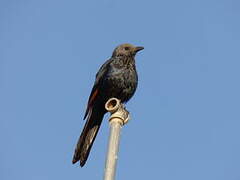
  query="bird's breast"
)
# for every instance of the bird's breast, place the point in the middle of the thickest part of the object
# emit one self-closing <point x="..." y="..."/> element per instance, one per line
<point x="121" y="83"/>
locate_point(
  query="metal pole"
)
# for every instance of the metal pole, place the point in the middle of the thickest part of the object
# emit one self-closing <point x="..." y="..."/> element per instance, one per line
<point x="119" y="117"/>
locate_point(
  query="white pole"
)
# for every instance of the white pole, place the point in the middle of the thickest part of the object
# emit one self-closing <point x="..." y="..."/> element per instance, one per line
<point x="119" y="117"/>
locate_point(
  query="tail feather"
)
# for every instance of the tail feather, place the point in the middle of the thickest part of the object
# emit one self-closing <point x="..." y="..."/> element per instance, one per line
<point x="88" y="136"/>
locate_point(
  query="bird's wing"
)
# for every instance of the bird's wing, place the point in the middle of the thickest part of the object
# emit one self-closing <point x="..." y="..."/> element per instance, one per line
<point x="95" y="90"/>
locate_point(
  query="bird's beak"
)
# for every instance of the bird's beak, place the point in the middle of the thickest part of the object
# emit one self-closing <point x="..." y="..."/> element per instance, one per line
<point x="139" y="48"/>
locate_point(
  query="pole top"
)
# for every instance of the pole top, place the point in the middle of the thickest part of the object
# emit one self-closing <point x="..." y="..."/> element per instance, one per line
<point x="117" y="110"/>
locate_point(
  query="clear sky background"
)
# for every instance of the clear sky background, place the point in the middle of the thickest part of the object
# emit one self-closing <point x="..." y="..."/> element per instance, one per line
<point x="185" y="114"/>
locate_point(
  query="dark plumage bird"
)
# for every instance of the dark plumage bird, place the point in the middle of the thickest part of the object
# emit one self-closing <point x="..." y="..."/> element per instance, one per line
<point x="117" y="78"/>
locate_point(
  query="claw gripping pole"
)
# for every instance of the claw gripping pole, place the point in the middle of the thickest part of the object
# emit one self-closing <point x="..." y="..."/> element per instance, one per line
<point x="119" y="117"/>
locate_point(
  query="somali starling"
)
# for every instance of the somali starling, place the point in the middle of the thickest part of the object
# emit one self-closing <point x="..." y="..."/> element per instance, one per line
<point x="117" y="78"/>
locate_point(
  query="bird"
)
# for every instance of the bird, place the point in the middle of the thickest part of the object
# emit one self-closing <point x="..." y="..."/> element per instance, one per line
<point x="117" y="78"/>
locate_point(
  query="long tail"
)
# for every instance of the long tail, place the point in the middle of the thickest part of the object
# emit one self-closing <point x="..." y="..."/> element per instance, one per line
<point x="88" y="135"/>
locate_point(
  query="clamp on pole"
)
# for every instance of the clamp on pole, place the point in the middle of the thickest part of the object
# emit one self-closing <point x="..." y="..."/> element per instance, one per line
<point x="117" y="110"/>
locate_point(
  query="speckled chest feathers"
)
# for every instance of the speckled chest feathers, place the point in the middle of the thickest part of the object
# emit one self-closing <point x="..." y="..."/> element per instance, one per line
<point x="121" y="80"/>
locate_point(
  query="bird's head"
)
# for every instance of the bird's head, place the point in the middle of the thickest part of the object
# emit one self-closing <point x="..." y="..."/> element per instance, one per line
<point x="126" y="50"/>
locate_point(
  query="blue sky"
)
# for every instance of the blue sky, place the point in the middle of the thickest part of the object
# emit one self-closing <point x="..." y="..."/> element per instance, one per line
<point x="185" y="113"/>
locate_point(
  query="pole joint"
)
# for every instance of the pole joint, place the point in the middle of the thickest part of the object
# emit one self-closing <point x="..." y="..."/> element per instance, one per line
<point x="117" y="110"/>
